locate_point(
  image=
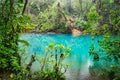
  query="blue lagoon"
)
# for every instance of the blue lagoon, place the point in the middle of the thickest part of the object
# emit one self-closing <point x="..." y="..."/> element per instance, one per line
<point x="79" y="58"/>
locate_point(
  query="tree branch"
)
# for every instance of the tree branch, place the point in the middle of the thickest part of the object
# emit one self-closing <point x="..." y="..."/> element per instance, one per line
<point x="26" y="1"/>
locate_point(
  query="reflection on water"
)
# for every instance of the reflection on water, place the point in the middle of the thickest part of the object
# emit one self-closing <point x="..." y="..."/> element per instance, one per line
<point x="81" y="72"/>
<point x="79" y="58"/>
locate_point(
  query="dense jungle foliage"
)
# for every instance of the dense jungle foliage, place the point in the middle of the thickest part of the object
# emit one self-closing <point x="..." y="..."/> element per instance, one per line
<point x="93" y="17"/>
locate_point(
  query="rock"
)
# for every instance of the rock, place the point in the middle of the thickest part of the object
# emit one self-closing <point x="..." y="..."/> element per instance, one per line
<point x="76" y="32"/>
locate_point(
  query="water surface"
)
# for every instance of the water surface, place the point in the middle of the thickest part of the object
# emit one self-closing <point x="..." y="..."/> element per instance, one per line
<point x="79" y="58"/>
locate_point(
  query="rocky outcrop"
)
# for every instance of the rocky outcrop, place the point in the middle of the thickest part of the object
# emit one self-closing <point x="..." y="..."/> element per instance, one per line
<point x="76" y="32"/>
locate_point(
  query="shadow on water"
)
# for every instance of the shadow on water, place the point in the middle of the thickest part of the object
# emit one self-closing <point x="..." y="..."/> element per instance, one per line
<point x="79" y="58"/>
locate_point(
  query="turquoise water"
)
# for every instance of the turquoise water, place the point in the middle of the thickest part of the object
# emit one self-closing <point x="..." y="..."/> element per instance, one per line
<point x="79" y="58"/>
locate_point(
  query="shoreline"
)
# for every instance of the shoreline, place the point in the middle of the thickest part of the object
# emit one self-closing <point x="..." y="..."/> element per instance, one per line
<point x="73" y="32"/>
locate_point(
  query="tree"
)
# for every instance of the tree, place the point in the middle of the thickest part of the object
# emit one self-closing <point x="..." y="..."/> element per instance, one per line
<point x="10" y="27"/>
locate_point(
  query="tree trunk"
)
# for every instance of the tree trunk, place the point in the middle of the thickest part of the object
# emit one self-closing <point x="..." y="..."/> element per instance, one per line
<point x="26" y="1"/>
<point x="81" y="10"/>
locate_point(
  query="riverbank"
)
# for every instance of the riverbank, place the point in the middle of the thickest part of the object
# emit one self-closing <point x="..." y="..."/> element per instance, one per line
<point x="72" y="31"/>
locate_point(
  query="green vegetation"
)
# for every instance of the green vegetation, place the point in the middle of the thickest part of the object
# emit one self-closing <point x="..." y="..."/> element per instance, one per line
<point x="51" y="66"/>
<point x="55" y="15"/>
<point x="107" y="24"/>
<point x="52" y="63"/>
<point x="96" y="17"/>
<point x="11" y="20"/>
<point x="106" y="59"/>
<point x="9" y="33"/>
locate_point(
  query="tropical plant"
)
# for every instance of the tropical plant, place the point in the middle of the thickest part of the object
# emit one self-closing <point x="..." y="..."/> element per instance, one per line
<point x="52" y="18"/>
<point x="11" y="13"/>
<point x="52" y="65"/>
<point x="106" y="58"/>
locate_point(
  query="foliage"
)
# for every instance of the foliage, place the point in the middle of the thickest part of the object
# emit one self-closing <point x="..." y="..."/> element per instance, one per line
<point x="103" y="18"/>
<point x="80" y="10"/>
<point x="51" y="19"/>
<point x="81" y="23"/>
<point x="52" y="66"/>
<point x="100" y="19"/>
<point x="8" y="51"/>
<point x="46" y="22"/>
<point x="52" y="15"/>
<point x="106" y="59"/>
<point x="92" y="16"/>
<point x="10" y="27"/>
<point x="47" y="15"/>
<point x="23" y="21"/>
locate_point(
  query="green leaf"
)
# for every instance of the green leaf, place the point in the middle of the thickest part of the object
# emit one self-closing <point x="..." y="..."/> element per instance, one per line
<point x="24" y="42"/>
